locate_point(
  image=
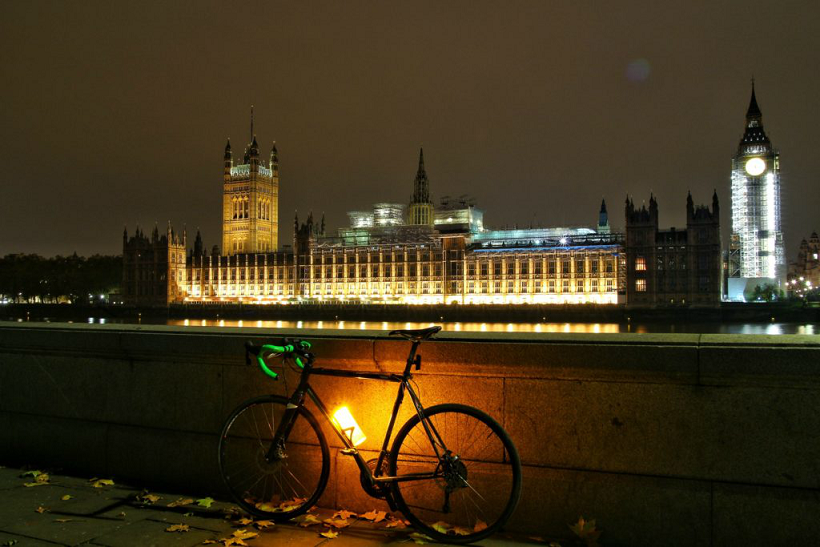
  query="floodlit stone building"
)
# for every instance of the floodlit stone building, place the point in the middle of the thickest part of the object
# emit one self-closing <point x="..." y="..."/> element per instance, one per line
<point x="421" y="255"/>
<point x="673" y="267"/>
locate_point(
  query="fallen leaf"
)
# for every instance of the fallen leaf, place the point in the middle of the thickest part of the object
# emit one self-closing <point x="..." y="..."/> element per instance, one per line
<point x="243" y="521"/>
<point x="66" y="497"/>
<point x="42" y="477"/>
<point x="32" y="473"/>
<point x="375" y="516"/>
<point x="10" y="542"/>
<point x="30" y="484"/>
<point x="181" y="501"/>
<point x="479" y="526"/>
<point x="205" y="502"/>
<point x="586" y="532"/>
<point x="209" y="542"/>
<point x="188" y="514"/>
<point x="63" y="520"/>
<point x="244" y="534"/>
<point x="262" y="524"/>
<point x="337" y="523"/>
<point x="41" y="509"/>
<point x="150" y="498"/>
<point x="395" y="523"/>
<point x="99" y="483"/>
<point x="344" y="514"/>
<point x="178" y="528"/>
<point x="307" y="520"/>
<point x="329" y="534"/>
<point x="420" y="539"/>
<point x="459" y="531"/>
<point x="122" y="514"/>
<point x="441" y="527"/>
<point x="537" y="538"/>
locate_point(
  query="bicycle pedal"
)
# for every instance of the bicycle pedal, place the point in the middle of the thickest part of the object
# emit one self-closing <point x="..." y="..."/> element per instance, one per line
<point x="349" y="451"/>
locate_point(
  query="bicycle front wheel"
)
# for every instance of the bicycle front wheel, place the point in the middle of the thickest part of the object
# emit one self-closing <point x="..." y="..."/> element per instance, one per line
<point x="279" y="485"/>
<point x="475" y="468"/>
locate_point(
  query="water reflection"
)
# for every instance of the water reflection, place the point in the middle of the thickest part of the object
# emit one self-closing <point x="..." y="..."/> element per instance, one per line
<point x="628" y="327"/>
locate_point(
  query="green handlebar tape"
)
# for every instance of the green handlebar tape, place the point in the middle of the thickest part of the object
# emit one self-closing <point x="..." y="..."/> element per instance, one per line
<point x="270" y="348"/>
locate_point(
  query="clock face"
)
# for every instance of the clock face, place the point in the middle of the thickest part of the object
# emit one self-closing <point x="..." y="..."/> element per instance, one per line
<point x="755" y="166"/>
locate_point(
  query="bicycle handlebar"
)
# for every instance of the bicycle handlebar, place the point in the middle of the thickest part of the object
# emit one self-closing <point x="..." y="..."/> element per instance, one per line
<point x="291" y="348"/>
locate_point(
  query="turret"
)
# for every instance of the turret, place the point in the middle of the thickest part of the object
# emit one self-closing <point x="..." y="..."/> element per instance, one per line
<point x="690" y="207"/>
<point x="253" y="155"/>
<point x="274" y="160"/>
<point x="228" y="160"/>
<point x="603" y="219"/>
<point x="715" y="205"/>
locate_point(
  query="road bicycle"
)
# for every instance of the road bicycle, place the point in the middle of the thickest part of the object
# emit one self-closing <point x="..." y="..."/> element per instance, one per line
<point x="452" y="470"/>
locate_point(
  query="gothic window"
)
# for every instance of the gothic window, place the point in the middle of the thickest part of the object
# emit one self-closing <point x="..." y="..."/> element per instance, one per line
<point x="640" y="264"/>
<point x="640" y="285"/>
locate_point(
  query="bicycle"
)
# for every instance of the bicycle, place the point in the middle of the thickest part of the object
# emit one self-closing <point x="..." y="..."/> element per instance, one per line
<point x="452" y="470"/>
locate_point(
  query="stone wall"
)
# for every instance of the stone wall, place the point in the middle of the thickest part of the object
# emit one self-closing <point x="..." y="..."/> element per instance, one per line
<point x="664" y="439"/>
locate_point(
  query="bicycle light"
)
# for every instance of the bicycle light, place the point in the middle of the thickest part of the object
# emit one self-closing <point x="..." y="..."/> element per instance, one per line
<point x="348" y="426"/>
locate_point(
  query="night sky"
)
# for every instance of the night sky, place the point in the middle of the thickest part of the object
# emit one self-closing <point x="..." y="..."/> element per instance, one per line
<point x="117" y="113"/>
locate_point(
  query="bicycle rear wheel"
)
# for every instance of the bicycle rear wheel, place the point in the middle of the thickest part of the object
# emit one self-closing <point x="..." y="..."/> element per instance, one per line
<point x="477" y="480"/>
<point x="288" y="484"/>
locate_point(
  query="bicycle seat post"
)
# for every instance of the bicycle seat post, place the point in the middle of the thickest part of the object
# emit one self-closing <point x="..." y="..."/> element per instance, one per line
<point x="411" y="358"/>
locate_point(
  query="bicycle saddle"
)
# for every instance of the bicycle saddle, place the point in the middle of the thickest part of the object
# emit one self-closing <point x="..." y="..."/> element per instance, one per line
<point x="417" y="335"/>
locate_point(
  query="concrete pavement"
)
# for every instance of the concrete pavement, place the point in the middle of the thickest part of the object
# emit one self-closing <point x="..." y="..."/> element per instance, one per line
<point x="51" y="509"/>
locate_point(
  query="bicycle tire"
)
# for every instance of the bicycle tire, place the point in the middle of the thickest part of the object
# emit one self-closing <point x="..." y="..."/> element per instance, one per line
<point x="486" y="484"/>
<point x="279" y="490"/>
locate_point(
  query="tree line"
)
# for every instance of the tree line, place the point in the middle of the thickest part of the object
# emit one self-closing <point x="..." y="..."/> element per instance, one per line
<point x="30" y="278"/>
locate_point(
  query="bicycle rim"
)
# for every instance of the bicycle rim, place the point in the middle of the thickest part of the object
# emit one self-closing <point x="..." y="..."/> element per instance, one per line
<point x="478" y="479"/>
<point x="292" y="482"/>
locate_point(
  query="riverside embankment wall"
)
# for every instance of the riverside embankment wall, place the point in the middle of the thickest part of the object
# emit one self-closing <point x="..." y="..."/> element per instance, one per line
<point x="709" y="440"/>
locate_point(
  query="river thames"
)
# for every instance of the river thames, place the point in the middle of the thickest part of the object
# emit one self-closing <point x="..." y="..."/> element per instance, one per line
<point x="773" y="327"/>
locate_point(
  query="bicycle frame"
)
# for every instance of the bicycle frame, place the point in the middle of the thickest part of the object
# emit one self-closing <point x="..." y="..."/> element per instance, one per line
<point x="298" y="397"/>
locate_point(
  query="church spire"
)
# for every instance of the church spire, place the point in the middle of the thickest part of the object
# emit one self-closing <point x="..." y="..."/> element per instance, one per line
<point x="421" y="187"/>
<point x="754" y="110"/>
<point x="253" y="135"/>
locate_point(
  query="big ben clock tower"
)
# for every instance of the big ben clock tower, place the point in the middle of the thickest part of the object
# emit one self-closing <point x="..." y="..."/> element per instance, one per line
<point x="756" y="253"/>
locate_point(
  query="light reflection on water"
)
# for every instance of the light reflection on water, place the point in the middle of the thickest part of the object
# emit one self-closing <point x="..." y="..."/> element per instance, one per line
<point x="595" y="328"/>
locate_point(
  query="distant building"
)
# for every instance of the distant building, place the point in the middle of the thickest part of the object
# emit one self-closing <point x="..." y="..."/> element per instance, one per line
<point x="804" y="273"/>
<point x="428" y="257"/>
<point x="154" y="270"/>
<point x="673" y="267"/>
<point x="756" y="252"/>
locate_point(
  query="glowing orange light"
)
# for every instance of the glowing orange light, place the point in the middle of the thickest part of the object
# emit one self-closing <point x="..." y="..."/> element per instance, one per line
<point x="348" y="426"/>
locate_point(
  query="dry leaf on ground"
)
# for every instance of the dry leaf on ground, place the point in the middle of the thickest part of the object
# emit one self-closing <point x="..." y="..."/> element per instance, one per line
<point x="41" y="509"/>
<point x="181" y="501"/>
<point x="329" y="534"/>
<point x="66" y="497"/>
<point x="337" y="523"/>
<point x="396" y="523"/>
<point x="262" y="524"/>
<point x="244" y="521"/>
<point x="178" y="528"/>
<point x="375" y="516"/>
<point x="479" y="526"/>
<point x="150" y="498"/>
<point x="586" y="532"/>
<point x="307" y="520"/>
<point x="418" y="538"/>
<point x="63" y="520"/>
<point x="343" y="514"/>
<point x="99" y="483"/>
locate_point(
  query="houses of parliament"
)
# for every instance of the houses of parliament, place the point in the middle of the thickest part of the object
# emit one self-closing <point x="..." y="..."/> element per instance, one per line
<point x="418" y="253"/>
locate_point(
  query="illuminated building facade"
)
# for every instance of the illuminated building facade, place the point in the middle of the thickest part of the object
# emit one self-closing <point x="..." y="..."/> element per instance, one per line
<point x="427" y="257"/>
<point x="673" y="267"/>
<point x="250" y="202"/>
<point x="154" y="269"/>
<point x="756" y="252"/>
